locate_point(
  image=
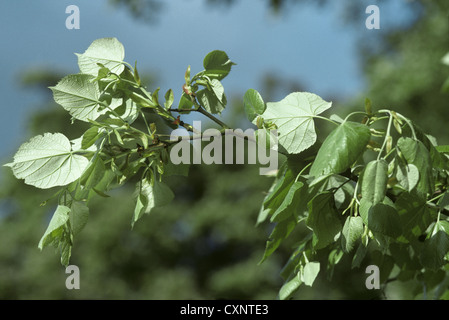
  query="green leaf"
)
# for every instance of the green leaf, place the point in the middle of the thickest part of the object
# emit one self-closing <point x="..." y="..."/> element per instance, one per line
<point x="210" y="102"/>
<point x="341" y="149"/>
<point x="289" y="204"/>
<point x="65" y="248"/>
<point x="155" y="96"/>
<point x="102" y="73"/>
<point x="218" y="90"/>
<point x="310" y="272"/>
<point x="374" y="181"/>
<point x="217" y="65"/>
<point x="79" y="96"/>
<point x="443" y="149"/>
<point x="290" y="287"/>
<point x="128" y="110"/>
<point x="414" y="215"/>
<point x="293" y="117"/>
<point x="169" y="98"/>
<point x="359" y="255"/>
<point x="109" y="52"/>
<point x="333" y="259"/>
<point x="48" y="161"/>
<point x="368" y="107"/>
<point x="381" y="217"/>
<point x="187" y="76"/>
<point x="351" y="233"/>
<point x="185" y="103"/>
<point x="141" y="205"/>
<point x="55" y="227"/>
<point x="443" y="202"/>
<point x="93" y="177"/>
<point x="280" y="232"/>
<point x="407" y="176"/>
<point x="436" y="247"/>
<point x="295" y="259"/>
<point x="171" y="169"/>
<point x="89" y="137"/>
<point x="149" y="196"/>
<point x="253" y="104"/>
<point x="280" y="189"/>
<point x="417" y="154"/>
<point x="323" y="219"/>
<point x="79" y="214"/>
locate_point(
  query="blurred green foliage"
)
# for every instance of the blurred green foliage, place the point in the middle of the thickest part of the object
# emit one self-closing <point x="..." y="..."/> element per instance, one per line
<point x="405" y="72"/>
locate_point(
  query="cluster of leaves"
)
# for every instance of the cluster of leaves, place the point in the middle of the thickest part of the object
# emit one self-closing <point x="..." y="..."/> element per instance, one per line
<point x="108" y="94"/>
<point x="376" y="187"/>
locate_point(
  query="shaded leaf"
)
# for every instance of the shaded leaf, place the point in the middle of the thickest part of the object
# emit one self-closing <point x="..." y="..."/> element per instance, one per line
<point x="323" y="219"/>
<point x="407" y="176"/>
<point x="436" y="247"/>
<point x="381" y="217"/>
<point x="374" y="181"/>
<point x="417" y="154"/>
<point x="78" y="216"/>
<point x="281" y="231"/>
<point x="289" y="204"/>
<point x="149" y="196"/>
<point x="341" y="149"/>
<point x="414" y="215"/>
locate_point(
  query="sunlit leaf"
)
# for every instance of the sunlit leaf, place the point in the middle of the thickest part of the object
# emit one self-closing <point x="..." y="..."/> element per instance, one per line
<point x="253" y="104"/>
<point x="108" y="52"/>
<point x="54" y="230"/>
<point x="294" y="119"/>
<point x="310" y="272"/>
<point x="79" y="96"/>
<point x="48" y="161"/>
<point x="351" y="233"/>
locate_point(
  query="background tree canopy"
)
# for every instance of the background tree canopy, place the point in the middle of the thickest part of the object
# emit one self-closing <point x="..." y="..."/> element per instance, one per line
<point x="205" y="244"/>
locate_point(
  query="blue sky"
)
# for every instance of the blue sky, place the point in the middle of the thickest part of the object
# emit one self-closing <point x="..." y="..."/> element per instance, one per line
<point x="308" y="44"/>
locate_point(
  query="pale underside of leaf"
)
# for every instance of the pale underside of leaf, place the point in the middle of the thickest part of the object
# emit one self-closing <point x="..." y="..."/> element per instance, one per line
<point x="107" y="51"/>
<point x="59" y="219"/>
<point x="48" y="161"/>
<point x="79" y="96"/>
<point x="293" y="117"/>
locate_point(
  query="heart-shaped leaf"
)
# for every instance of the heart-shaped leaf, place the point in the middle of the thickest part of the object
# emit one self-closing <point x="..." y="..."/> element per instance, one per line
<point x="105" y="52"/>
<point x="79" y="96"/>
<point x="293" y="117"/>
<point x="341" y="149"/>
<point x="253" y="104"/>
<point x="374" y="181"/>
<point x="48" y="161"/>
